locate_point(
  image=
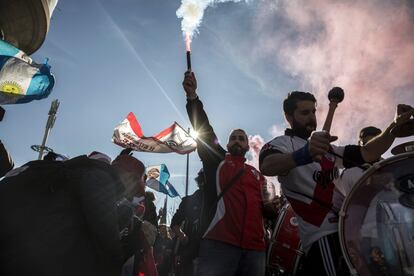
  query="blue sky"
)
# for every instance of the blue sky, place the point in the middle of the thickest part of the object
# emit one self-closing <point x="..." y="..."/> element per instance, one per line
<point x="111" y="57"/>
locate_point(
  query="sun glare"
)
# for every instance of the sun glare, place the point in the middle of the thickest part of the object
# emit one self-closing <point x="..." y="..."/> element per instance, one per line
<point x="194" y="134"/>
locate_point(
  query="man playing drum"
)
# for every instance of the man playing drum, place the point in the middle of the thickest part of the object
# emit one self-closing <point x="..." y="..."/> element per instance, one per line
<point x="307" y="165"/>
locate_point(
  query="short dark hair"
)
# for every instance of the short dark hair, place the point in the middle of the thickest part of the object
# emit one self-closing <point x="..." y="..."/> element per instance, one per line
<point x="150" y="195"/>
<point x="369" y="131"/>
<point x="289" y="104"/>
<point x="241" y="130"/>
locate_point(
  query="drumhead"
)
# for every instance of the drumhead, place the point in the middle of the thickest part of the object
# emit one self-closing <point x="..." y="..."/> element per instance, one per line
<point x="284" y="252"/>
<point x="376" y="225"/>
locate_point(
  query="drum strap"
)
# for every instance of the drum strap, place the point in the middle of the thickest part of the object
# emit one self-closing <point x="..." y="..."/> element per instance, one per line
<point x="321" y="203"/>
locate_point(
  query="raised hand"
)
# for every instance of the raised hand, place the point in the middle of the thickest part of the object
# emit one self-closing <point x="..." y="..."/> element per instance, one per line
<point x="190" y="84"/>
<point x="403" y="114"/>
<point x="319" y="144"/>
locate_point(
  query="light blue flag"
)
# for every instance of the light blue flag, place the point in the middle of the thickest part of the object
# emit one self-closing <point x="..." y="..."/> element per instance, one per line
<point x="171" y="191"/>
<point x="158" y="180"/>
<point x="21" y="79"/>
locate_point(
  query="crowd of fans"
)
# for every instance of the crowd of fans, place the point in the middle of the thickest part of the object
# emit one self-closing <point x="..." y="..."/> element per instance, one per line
<point x="90" y="215"/>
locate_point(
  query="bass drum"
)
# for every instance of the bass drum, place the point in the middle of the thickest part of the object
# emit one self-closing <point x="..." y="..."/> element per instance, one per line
<point x="284" y="253"/>
<point x="376" y="224"/>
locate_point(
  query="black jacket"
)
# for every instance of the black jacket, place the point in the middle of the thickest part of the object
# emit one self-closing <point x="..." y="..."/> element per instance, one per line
<point x="211" y="155"/>
<point x="150" y="214"/>
<point x="189" y="213"/>
<point x="60" y="218"/>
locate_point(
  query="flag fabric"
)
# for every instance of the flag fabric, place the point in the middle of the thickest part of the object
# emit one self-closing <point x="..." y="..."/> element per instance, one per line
<point x="129" y="134"/>
<point x="172" y="192"/>
<point x="157" y="175"/>
<point x="157" y="179"/>
<point x="21" y="79"/>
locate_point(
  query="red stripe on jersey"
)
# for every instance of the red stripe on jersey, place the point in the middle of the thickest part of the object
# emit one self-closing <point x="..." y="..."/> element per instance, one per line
<point x="315" y="212"/>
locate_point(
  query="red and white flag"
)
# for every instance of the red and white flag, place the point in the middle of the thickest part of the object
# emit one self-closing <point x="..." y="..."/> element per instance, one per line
<point x="128" y="134"/>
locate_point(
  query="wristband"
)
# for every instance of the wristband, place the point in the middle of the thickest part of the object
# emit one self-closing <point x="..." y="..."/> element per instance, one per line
<point x="302" y="156"/>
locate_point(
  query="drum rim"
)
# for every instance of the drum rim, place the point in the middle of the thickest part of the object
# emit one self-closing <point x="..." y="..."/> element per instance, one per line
<point x="299" y="252"/>
<point x="345" y="204"/>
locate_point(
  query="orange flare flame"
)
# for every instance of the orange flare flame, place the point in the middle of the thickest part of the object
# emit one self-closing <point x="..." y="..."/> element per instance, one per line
<point x="188" y="42"/>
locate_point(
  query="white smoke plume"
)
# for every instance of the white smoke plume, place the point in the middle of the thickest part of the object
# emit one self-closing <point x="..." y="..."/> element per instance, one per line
<point x="192" y="12"/>
<point x="277" y="130"/>
<point x="256" y="143"/>
<point x="364" y="46"/>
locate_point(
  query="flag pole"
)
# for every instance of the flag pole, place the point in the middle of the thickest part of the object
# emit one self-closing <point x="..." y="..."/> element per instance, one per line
<point x="164" y="217"/>
<point x="187" y="168"/>
<point x="50" y="122"/>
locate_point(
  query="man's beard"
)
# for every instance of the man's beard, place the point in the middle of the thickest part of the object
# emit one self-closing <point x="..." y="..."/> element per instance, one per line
<point x="303" y="131"/>
<point x="237" y="150"/>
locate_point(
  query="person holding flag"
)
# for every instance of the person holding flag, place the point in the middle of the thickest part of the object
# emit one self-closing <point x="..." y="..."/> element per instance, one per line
<point x="231" y="218"/>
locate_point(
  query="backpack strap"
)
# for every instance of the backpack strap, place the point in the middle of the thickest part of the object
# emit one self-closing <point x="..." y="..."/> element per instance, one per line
<point x="230" y="184"/>
<point x="226" y="188"/>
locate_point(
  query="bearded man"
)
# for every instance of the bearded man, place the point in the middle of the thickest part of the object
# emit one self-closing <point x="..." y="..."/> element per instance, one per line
<point x="307" y="166"/>
<point x="231" y="221"/>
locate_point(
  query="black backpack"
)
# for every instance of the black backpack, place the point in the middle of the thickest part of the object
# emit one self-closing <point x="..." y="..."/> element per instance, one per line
<point x="44" y="229"/>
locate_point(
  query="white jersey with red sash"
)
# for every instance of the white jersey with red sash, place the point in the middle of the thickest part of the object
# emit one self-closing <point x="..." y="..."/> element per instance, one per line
<point x="310" y="190"/>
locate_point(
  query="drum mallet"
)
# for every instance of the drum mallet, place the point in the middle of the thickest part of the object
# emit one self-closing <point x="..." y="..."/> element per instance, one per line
<point x="335" y="96"/>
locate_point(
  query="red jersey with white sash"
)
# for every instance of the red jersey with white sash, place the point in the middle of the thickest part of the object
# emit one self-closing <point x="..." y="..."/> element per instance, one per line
<point x="238" y="219"/>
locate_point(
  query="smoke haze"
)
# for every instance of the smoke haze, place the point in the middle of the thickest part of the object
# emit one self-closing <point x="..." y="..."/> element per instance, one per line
<point x="365" y="47"/>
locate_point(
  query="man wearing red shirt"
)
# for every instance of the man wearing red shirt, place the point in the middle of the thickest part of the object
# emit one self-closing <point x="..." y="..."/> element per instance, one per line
<point x="232" y="227"/>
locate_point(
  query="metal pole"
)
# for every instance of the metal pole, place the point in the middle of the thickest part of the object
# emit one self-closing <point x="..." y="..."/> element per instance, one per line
<point x="164" y="215"/>
<point x="186" y="175"/>
<point x="49" y="125"/>
<point x="45" y="136"/>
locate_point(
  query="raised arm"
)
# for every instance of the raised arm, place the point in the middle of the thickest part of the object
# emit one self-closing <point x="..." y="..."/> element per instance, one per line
<point x="276" y="163"/>
<point x="275" y="158"/>
<point x="207" y="146"/>
<point x="373" y="150"/>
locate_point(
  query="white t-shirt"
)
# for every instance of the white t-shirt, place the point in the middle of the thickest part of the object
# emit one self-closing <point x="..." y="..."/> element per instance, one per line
<point x="311" y="192"/>
<point x="348" y="179"/>
<point x="345" y="183"/>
